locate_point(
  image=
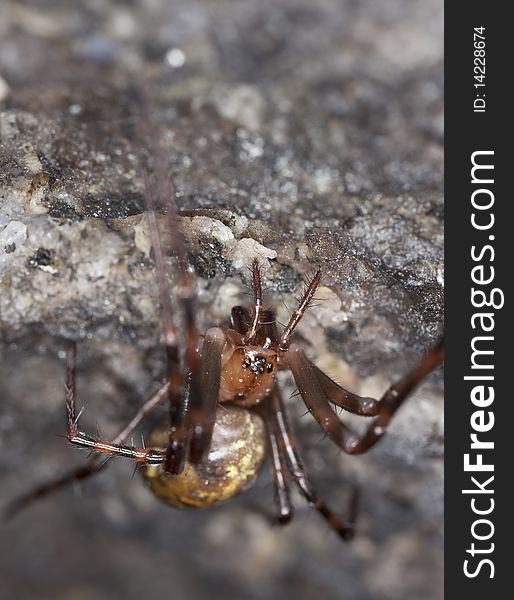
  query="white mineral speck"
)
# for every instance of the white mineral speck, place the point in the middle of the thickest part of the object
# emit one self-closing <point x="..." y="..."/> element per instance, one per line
<point x="211" y="227"/>
<point x="176" y="58"/>
<point x="31" y="161"/>
<point x="242" y="104"/>
<point x="253" y="148"/>
<point x="75" y="109"/>
<point x="247" y="249"/>
<point x="142" y="236"/>
<point x="323" y="180"/>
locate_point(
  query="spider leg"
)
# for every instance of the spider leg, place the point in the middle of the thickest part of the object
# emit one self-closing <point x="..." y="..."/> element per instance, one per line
<point x="296" y="317"/>
<point x="92" y="466"/>
<point x="178" y="428"/>
<point x="359" y="405"/>
<point x="203" y="405"/>
<point x="257" y="303"/>
<point x="179" y="432"/>
<point x="181" y="428"/>
<point x="278" y="466"/>
<point x="287" y="447"/>
<point x="79" y="438"/>
<point x="314" y="395"/>
<point x="147" y="456"/>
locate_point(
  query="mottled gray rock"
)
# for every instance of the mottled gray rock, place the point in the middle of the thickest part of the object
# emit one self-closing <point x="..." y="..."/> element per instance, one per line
<point x="307" y="134"/>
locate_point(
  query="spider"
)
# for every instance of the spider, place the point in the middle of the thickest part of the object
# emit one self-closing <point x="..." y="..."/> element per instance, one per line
<point x="225" y="404"/>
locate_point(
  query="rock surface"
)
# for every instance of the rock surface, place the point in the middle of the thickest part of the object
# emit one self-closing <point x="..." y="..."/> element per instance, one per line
<point x="307" y="134"/>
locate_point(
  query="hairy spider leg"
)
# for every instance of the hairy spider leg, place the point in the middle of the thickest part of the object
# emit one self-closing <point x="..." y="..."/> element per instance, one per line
<point x="93" y="465"/>
<point x="262" y="323"/>
<point x="279" y="467"/>
<point x="176" y="452"/>
<point x="296" y="317"/>
<point x="257" y="303"/>
<point x="312" y="391"/>
<point x="199" y="418"/>
<point x="193" y="425"/>
<point x="210" y="377"/>
<point x="358" y="405"/>
<point x="79" y="438"/>
<point x="287" y="447"/>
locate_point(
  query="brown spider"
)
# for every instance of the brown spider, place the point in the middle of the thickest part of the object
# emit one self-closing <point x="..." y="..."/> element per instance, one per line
<point x="225" y="405"/>
<point x="224" y="401"/>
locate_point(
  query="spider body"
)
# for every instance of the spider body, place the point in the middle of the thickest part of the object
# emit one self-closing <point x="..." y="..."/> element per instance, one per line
<point x="225" y="404"/>
<point x="238" y="444"/>
<point x="226" y="409"/>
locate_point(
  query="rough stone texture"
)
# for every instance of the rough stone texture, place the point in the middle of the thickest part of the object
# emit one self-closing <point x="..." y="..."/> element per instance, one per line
<point x="309" y="134"/>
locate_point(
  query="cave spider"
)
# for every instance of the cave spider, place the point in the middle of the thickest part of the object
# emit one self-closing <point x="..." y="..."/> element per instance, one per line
<point x="225" y="405"/>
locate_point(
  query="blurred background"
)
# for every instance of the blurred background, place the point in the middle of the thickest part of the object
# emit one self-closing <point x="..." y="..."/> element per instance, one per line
<point x="307" y="133"/>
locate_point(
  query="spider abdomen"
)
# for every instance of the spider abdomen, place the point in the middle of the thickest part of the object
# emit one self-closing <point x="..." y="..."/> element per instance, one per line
<point x="235" y="457"/>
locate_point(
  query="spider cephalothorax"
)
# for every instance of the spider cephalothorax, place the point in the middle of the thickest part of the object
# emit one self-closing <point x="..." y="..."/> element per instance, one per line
<point x="247" y="371"/>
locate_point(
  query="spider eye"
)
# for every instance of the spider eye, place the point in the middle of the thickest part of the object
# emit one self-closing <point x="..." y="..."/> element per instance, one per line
<point x="257" y="364"/>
